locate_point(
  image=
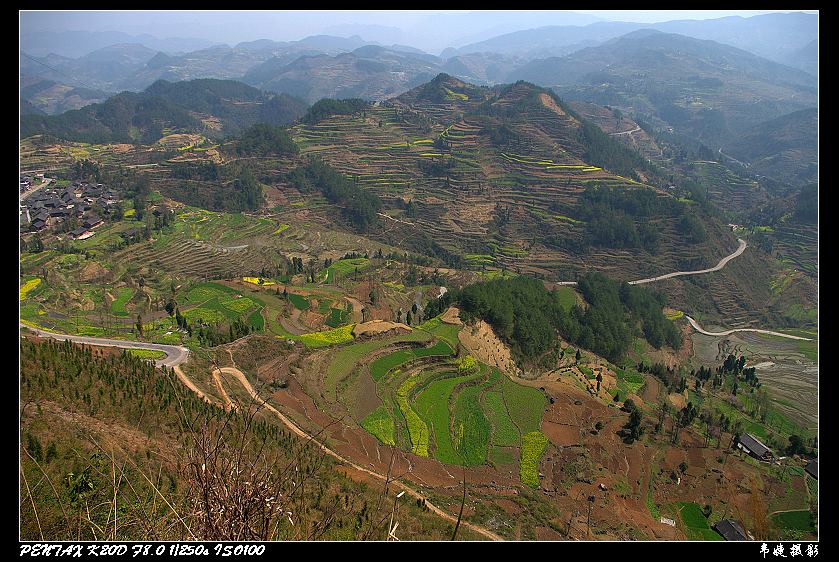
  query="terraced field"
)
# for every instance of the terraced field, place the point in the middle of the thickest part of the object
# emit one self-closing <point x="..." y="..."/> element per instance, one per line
<point x="410" y="391"/>
<point x="440" y="155"/>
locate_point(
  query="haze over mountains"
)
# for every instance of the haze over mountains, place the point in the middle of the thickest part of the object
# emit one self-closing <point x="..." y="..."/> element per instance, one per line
<point x="709" y="79"/>
<point x="485" y="52"/>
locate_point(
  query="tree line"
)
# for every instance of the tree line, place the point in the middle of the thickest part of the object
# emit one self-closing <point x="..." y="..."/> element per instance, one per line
<point x="357" y="205"/>
<point x="528" y="317"/>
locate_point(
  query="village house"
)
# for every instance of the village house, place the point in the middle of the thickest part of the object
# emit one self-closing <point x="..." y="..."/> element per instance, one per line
<point x="80" y="233"/>
<point x="812" y="468"/>
<point x="752" y="446"/>
<point x="731" y="530"/>
<point x="92" y="222"/>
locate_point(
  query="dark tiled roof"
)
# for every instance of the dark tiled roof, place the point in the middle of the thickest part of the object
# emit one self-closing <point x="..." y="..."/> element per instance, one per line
<point x="813" y="468"/>
<point x="754" y="445"/>
<point x="731" y="530"/>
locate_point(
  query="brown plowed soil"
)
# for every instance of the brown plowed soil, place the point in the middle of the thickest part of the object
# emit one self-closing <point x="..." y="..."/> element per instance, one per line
<point x="482" y="342"/>
<point x="375" y="327"/>
<point x="561" y="435"/>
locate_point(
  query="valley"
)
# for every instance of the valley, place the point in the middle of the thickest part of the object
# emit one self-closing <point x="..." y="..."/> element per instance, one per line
<point x="578" y="304"/>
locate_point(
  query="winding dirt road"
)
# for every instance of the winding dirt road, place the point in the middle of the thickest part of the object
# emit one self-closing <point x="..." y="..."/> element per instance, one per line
<point x="176" y="355"/>
<point x="242" y="379"/>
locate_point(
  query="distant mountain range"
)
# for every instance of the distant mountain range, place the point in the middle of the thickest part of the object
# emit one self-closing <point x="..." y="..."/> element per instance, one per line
<point x="783" y="38"/>
<point x="215" y="108"/>
<point x="703" y="88"/>
<point x="369" y="72"/>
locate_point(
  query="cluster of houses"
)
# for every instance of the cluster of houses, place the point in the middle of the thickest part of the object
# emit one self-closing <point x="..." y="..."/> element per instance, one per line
<point x="732" y="530"/>
<point x="26" y="181"/>
<point x="50" y="207"/>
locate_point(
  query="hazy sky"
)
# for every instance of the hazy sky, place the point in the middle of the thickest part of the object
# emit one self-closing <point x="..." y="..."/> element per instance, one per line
<point x="416" y="27"/>
<point x="655" y="16"/>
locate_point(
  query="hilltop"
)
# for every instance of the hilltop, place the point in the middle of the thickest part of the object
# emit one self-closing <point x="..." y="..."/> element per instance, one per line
<point x="699" y="87"/>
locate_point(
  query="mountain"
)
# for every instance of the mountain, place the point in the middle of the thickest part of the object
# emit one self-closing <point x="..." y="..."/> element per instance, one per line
<point x="102" y="69"/>
<point x="482" y="68"/>
<point x="806" y="58"/>
<point x="50" y="97"/>
<point x="439" y="31"/>
<point x="213" y="107"/>
<point x="784" y="148"/>
<point x="548" y="41"/>
<point x="370" y="72"/>
<point x="703" y="88"/>
<point x="76" y="44"/>
<point x="773" y="36"/>
<point x="28" y="108"/>
<point x="133" y="66"/>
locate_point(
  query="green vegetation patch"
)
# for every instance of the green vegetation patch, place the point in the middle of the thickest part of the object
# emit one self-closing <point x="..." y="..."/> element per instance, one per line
<point x="346" y="359"/>
<point x="471" y="428"/>
<point x="532" y="446"/>
<point x="238" y="305"/>
<point x="566" y="296"/>
<point x="299" y="301"/>
<point x="205" y="314"/>
<point x="118" y="305"/>
<point x="381" y="366"/>
<point x="417" y="430"/>
<point x="337" y="317"/>
<point x="505" y="433"/>
<point x="328" y="337"/>
<point x="206" y="291"/>
<point x="501" y="456"/>
<point x="380" y="424"/>
<point x="795" y="521"/>
<point x="696" y="524"/>
<point x="433" y="405"/>
<point x="442" y="330"/>
<point x="146" y="353"/>
<point x="525" y="405"/>
<point x="256" y="320"/>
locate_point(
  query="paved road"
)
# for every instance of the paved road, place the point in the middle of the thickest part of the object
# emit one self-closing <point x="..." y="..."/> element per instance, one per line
<point x="635" y="130"/>
<point x="740" y="249"/>
<point x="26" y="194"/>
<point x="744" y="164"/>
<point x="699" y="329"/>
<point x="175" y="354"/>
<point x="717" y="267"/>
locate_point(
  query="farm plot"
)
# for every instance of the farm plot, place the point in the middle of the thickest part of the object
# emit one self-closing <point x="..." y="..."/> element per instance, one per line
<point x="124" y="295"/>
<point x="695" y="522"/>
<point x="532" y="446"/>
<point x="794" y="523"/>
<point x="342" y="268"/>
<point x="379" y="423"/>
<point x="219" y="303"/>
<point x="328" y="337"/>
<point x="470" y="427"/>
<point x="433" y="406"/>
<point x="347" y="358"/>
<point x="417" y="428"/>
<point x="380" y="367"/>
<point x="27" y="288"/>
<point x="441" y="330"/>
